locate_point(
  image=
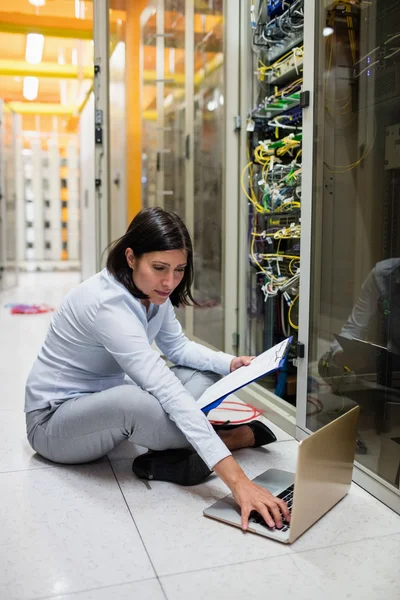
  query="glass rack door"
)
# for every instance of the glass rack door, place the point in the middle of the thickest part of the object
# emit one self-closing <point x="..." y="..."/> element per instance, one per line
<point x="8" y="206"/>
<point x="174" y="106"/>
<point x="117" y="116"/>
<point x="163" y="108"/>
<point x="149" y="114"/>
<point x="209" y="131"/>
<point x="354" y="329"/>
<point x="184" y="146"/>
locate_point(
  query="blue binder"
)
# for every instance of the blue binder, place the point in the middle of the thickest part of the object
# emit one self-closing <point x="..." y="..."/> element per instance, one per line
<point x="232" y="383"/>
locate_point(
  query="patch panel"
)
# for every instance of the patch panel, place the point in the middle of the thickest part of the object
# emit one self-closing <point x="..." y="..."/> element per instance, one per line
<point x="295" y="115"/>
<point x="287" y="69"/>
<point x="281" y="47"/>
<point x="280" y="105"/>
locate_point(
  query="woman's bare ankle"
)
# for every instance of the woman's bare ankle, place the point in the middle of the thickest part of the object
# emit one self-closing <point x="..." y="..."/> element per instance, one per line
<point x="240" y="437"/>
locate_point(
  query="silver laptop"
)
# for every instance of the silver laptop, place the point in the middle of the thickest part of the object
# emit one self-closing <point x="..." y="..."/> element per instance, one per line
<point x="323" y="477"/>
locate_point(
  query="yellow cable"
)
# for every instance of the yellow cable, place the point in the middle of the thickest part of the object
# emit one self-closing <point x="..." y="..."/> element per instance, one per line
<point x="294" y="174"/>
<point x="253" y="256"/>
<point x="345" y="169"/>
<point x="264" y="68"/>
<point x="290" y="145"/>
<point x="257" y="206"/>
<point x="264" y="170"/>
<point x="290" y="313"/>
<point x="341" y="111"/>
<point x="290" y="266"/>
<point x="288" y="88"/>
<point x="283" y="256"/>
<point x="291" y="203"/>
<point x="297" y="155"/>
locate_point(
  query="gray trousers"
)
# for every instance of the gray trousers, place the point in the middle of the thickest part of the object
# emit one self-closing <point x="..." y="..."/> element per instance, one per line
<point x="87" y="428"/>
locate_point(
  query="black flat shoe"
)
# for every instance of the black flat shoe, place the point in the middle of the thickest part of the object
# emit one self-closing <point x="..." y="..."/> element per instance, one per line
<point x="262" y="434"/>
<point x="183" y="466"/>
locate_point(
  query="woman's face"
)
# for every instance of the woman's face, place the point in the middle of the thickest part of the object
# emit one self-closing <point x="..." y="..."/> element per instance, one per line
<point x="157" y="274"/>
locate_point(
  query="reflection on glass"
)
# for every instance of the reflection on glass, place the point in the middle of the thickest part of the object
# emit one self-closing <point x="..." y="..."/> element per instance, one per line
<point x="354" y="355"/>
<point x="163" y="112"/>
<point x="174" y="107"/>
<point x="8" y="207"/>
<point x="208" y="171"/>
<point x="117" y="117"/>
<point x="174" y="158"/>
<point x="149" y="112"/>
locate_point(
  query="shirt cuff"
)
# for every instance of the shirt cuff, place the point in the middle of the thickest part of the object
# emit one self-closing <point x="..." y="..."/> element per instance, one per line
<point x="222" y="363"/>
<point x="214" y="452"/>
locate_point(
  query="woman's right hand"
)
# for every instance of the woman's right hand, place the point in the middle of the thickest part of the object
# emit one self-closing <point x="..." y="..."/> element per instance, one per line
<point x="251" y="496"/>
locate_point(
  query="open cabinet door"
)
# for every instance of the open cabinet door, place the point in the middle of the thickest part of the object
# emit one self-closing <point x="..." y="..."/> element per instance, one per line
<point x="350" y="315"/>
<point x="8" y="200"/>
<point x="101" y="21"/>
<point x="87" y="191"/>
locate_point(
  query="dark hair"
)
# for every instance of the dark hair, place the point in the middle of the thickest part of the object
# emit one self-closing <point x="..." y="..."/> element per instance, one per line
<point x="153" y="230"/>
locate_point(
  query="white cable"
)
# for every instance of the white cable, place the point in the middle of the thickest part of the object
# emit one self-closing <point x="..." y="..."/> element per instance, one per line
<point x="367" y="68"/>
<point x="392" y="54"/>
<point x="366" y="56"/>
<point x="274" y="123"/>
<point x="394" y="37"/>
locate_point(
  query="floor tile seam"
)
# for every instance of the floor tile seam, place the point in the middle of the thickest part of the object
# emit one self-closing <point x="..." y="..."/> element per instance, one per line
<point x="95" y="589"/>
<point x="137" y="529"/>
<point x="364" y="539"/>
<point x="25" y="470"/>
<point x="55" y="466"/>
<point x="289" y="554"/>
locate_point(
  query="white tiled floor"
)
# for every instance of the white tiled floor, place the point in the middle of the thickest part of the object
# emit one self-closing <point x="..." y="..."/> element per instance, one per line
<point x="95" y="532"/>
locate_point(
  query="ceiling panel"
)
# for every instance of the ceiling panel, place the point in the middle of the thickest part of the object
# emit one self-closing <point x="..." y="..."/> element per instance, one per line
<point x="13" y="47"/>
<point x="52" y="8"/>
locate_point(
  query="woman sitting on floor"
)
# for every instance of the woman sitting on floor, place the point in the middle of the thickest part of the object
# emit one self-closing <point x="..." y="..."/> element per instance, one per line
<point x="79" y="402"/>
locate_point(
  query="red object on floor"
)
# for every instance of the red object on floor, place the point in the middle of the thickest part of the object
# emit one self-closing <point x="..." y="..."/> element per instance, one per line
<point x="33" y="309"/>
<point x="244" y="408"/>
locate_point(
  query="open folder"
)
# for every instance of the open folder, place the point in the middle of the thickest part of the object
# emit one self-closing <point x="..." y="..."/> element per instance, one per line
<point x="265" y="363"/>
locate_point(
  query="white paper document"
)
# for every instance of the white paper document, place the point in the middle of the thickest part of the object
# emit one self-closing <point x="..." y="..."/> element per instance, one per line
<point x="264" y="363"/>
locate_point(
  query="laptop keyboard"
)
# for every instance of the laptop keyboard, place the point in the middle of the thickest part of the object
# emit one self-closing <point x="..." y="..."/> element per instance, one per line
<point x="287" y="496"/>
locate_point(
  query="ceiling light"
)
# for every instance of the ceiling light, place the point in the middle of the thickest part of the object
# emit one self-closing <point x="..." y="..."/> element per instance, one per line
<point x="34" y="48"/>
<point x="63" y="92"/>
<point x="37" y="2"/>
<point x="61" y="58"/>
<point x="31" y="87"/>
<point x="327" y="31"/>
<point x="78" y="9"/>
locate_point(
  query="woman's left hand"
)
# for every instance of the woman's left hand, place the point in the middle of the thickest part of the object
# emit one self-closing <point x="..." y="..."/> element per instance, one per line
<point x="241" y="361"/>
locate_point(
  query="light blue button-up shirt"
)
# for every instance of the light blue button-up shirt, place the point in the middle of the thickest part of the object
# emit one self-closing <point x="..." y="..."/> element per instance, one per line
<point x="100" y="333"/>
